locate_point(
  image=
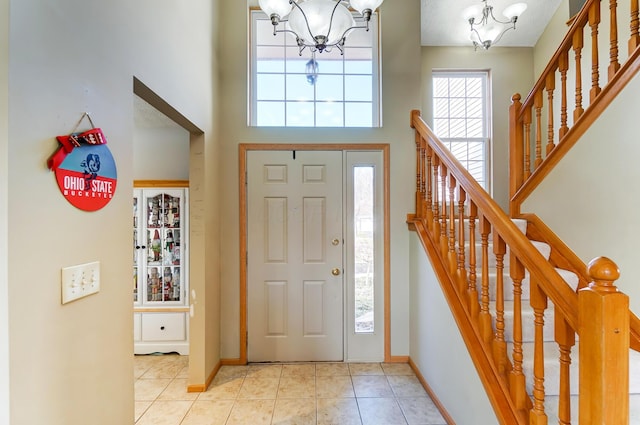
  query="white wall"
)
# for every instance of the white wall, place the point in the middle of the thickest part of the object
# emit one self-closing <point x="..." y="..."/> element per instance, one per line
<point x="438" y="350"/>
<point x="4" y="195"/>
<point x="71" y="364"/>
<point x="400" y="94"/>
<point x="511" y="71"/>
<point x="590" y="199"/>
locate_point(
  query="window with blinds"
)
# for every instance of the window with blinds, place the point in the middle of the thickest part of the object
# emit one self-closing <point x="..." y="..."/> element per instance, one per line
<point x="460" y="118"/>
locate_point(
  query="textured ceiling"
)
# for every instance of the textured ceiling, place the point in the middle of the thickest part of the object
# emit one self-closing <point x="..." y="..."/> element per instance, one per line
<point x="443" y="24"/>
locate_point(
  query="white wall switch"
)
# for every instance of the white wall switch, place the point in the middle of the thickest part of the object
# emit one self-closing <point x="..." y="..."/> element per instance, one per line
<point x="80" y="281"/>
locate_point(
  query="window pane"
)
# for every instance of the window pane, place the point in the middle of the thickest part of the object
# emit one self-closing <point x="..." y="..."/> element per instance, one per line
<point x="300" y="114"/>
<point x="358" y="115"/>
<point x="329" y="114"/>
<point x="271" y="114"/>
<point x="441" y="127"/>
<point x="440" y="87"/>
<point x="329" y="87"/>
<point x="269" y="59"/>
<point x="474" y="128"/>
<point x="364" y="266"/>
<point x="457" y="127"/>
<point x="298" y="88"/>
<point x="357" y="88"/>
<point x="270" y="87"/>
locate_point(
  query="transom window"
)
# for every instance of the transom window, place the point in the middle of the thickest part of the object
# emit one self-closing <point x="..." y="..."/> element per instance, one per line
<point x="313" y="90"/>
<point x="460" y="118"/>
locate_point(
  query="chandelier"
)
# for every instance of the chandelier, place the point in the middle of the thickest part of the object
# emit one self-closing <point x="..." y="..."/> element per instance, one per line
<point x="486" y="29"/>
<point x="319" y="25"/>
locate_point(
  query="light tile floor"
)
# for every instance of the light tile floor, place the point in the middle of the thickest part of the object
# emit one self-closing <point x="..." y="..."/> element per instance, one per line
<point x="282" y="394"/>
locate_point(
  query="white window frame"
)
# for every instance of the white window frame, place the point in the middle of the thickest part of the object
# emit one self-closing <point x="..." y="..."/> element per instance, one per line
<point x="486" y="121"/>
<point x="376" y="107"/>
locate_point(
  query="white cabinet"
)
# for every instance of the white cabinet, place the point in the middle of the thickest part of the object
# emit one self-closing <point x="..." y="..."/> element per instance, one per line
<point x="160" y="270"/>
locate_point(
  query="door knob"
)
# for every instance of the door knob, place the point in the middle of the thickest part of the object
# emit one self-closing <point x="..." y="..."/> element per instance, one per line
<point x="335" y="272"/>
<point x="335" y="242"/>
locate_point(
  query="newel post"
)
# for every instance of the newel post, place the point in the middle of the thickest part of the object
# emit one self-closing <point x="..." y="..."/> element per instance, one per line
<point x="516" y="150"/>
<point x="604" y="347"/>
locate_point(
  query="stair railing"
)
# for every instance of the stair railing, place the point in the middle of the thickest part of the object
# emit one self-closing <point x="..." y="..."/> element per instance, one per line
<point x="447" y="197"/>
<point x="545" y="125"/>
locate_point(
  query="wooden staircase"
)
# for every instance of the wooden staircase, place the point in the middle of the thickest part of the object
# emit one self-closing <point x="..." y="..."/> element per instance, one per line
<point x="551" y="352"/>
<point x="549" y="336"/>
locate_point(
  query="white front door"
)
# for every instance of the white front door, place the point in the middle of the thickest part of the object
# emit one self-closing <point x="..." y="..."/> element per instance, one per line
<point x="295" y="254"/>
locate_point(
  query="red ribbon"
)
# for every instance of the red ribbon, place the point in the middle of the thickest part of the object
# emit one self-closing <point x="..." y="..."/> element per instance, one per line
<point x="90" y="137"/>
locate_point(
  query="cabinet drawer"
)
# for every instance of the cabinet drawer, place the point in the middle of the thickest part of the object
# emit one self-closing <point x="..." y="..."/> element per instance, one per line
<point x="163" y="327"/>
<point x="137" y="327"/>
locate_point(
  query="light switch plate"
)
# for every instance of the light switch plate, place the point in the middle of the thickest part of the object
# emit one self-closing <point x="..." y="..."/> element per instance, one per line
<point x="80" y="281"/>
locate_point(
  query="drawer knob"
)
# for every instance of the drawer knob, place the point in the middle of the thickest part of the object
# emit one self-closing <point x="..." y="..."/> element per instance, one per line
<point x="161" y="328"/>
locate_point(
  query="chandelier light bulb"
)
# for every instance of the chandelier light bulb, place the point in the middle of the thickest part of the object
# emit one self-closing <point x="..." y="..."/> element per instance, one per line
<point x="362" y="6"/>
<point x="280" y="8"/>
<point x="515" y="10"/>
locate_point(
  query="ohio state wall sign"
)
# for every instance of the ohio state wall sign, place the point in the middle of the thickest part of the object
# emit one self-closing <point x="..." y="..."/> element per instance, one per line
<point x="85" y="169"/>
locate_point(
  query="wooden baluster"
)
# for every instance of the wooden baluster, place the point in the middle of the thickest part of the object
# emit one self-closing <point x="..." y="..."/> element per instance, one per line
<point x="527" y="143"/>
<point x="444" y="241"/>
<point x="429" y="188"/>
<point x="537" y="104"/>
<point x="499" y="342"/>
<point x="614" y="65"/>
<point x="517" y="384"/>
<point x="461" y="272"/>
<point x="516" y="146"/>
<point x="452" y="256"/>
<point x="436" y="203"/>
<point x="566" y="338"/>
<point x="604" y="347"/>
<point x="474" y="305"/>
<point x="537" y="416"/>
<point x="634" y="39"/>
<point x="485" y="316"/>
<point x="419" y="170"/>
<point x="550" y="86"/>
<point x="578" y="44"/>
<point x="594" y="21"/>
<point x="563" y="64"/>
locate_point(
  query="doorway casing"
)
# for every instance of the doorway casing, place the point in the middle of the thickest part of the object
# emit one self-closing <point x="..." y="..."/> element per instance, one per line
<point x="243" y="148"/>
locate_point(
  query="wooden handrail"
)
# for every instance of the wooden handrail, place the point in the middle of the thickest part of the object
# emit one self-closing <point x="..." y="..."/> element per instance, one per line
<point x="565" y="258"/>
<point x="569" y="61"/>
<point x="562" y="296"/>
<point x="446" y="197"/>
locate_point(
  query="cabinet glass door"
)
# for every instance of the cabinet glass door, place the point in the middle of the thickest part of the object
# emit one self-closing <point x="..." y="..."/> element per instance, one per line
<point x="136" y="248"/>
<point x="163" y="235"/>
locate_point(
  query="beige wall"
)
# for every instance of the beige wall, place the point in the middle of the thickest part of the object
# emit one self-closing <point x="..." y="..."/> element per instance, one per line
<point x="551" y="38"/>
<point x="400" y="93"/>
<point x="590" y="198"/>
<point x="576" y="200"/>
<point x="437" y="347"/>
<point x="511" y="71"/>
<point x="71" y="364"/>
<point x="161" y="153"/>
<point x="4" y="192"/>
